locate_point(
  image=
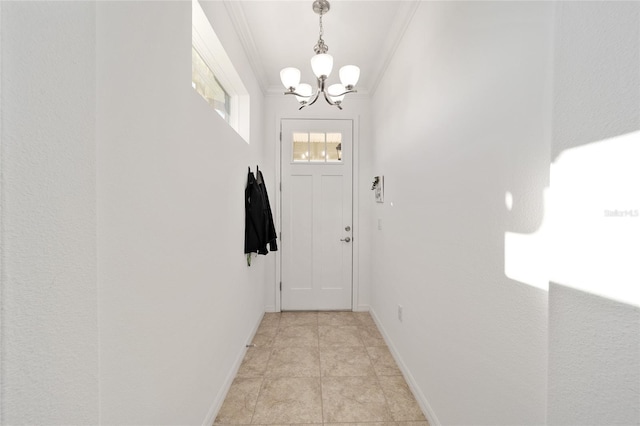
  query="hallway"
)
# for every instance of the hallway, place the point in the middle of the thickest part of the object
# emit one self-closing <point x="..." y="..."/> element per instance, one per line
<point x="319" y="367"/>
<point x="499" y="262"/>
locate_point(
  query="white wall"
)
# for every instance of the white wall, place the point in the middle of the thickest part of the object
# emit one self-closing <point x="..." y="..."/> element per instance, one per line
<point x="177" y="300"/>
<point x="594" y="359"/>
<point x="356" y="108"/>
<point x="126" y="298"/>
<point x="461" y="117"/>
<point x="594" y="314"/>
<point x="49" y="292"/>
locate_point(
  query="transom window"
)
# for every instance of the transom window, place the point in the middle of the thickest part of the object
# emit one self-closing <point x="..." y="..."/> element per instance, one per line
<point x="206" y="83"/>
<point x="316" y="147"/>
<point x="213" y="75"/>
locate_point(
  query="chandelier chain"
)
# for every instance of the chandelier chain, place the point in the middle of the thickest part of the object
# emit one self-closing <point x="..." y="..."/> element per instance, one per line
<point x="320" y="47"/>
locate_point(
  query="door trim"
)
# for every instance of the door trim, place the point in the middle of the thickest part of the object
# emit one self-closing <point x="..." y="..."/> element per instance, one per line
<point x="355" y="183"/>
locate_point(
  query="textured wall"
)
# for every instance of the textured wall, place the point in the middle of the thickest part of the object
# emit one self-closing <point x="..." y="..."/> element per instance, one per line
<point x="461" y="117"/>
<point x="594" y="314"/>
<point x="177" y="300"/>
<point x="126" y="298"/>
<point x="49" y="292"/>
<point x="594" y="359"/>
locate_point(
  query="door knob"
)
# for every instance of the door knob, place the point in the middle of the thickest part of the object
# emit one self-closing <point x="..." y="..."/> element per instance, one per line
<point x="347" y="228"/>
<point x="346" y="240"/>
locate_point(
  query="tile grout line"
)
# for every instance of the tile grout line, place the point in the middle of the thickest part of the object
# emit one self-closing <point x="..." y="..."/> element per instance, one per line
<point x="386" y="400"/>
<point x="264" y="374"/>
<point x="320" y="373"/>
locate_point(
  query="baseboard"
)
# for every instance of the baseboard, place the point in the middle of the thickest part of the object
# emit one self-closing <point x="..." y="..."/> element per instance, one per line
<point x="417" y="392"/>
<point x="359" y="308"/>
<point x="219" y="399"/>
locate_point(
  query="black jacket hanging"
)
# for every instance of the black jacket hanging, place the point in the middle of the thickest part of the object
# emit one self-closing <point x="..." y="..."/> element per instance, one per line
<point x="270" y="230"/>
<point x="259" y="227"/>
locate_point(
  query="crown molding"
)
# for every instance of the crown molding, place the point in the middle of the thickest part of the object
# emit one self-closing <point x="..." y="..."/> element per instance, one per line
<point x="398" y="27"/>
<point x="239" y="21"/>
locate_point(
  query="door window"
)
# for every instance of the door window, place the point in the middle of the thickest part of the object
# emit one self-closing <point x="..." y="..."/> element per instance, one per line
<point x="317" y="147"/>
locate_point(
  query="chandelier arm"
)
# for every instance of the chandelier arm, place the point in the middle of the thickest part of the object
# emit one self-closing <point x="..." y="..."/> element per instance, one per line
<point x="329" y="101"/>
<point x="347" y="92"/>
<point x="304" y="104"/>
<point x="315" y="98"/>
<point x="327" y="98"/>
<point x="294" y="93"/>
<point x="317" y="93"/>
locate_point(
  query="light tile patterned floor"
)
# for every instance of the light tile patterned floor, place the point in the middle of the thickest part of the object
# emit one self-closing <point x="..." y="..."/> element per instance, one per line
<point x="319" y="368"/>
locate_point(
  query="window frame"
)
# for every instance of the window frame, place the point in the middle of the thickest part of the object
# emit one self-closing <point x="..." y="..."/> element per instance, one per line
<point x="205" y="41"/>
<point x="224" y="110"/>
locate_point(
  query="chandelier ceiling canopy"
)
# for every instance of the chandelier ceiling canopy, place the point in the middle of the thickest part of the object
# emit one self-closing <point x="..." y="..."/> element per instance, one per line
<point x="322" y="65"/>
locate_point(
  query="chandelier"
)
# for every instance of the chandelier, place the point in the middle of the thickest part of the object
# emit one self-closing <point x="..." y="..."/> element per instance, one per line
<point x="321" y="64"/>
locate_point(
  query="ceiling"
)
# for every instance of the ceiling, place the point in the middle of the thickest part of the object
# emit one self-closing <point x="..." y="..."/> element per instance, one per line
<point x="278" y="34"/>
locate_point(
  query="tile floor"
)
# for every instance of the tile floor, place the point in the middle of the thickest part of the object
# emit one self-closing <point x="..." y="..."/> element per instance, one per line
<point x="319" y="368"/>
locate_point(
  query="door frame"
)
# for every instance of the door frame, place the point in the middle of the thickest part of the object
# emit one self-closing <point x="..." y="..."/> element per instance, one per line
<point x="355" y="183"/>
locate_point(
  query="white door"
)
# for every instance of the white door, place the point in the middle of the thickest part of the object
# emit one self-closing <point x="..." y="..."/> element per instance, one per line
<point x="317" y="218"/>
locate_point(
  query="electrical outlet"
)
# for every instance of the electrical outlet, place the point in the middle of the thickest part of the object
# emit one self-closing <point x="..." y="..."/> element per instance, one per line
<point x="400" y="313"/>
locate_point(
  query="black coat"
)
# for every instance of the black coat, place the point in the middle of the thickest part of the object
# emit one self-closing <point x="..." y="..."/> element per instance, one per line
<point x="259" y="226"/>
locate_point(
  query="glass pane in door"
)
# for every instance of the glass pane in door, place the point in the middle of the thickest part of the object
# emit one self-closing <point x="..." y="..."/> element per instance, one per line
<point x="300" y="147"/>
<point x="317" y="149"/>
<point x="334" y="147"/>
